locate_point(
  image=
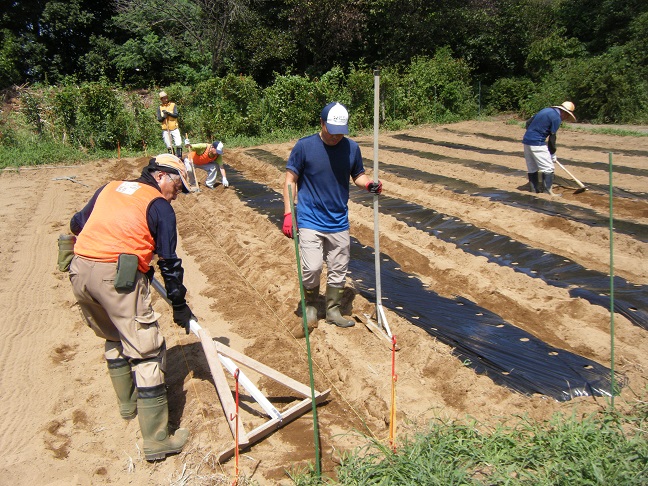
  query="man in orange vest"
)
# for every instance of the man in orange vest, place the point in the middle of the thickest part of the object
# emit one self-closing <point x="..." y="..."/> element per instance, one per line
<point x="118" y="231"/>
<point x="208" y="157"/>
<point x="167" y="115"/>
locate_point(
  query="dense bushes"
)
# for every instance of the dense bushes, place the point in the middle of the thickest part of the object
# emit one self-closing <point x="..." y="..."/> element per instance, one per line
<point x="95" y="117"/>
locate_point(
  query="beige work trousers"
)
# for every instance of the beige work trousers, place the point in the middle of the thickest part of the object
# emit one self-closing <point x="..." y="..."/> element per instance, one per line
<point x="315" y="248"/>
<point x="126" y="320"/>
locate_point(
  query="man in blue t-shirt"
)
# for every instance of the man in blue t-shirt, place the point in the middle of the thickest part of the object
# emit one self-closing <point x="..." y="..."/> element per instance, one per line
<point x="317" y="173"/>
<point x="540" y="143"/>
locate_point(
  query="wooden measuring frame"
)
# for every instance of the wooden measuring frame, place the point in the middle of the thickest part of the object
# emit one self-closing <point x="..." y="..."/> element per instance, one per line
<point x="191" y="170"/>
<point x="219" y="355"/>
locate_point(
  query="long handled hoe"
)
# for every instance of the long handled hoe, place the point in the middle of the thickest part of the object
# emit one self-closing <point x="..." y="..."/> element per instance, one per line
<point x="581" y="186"/>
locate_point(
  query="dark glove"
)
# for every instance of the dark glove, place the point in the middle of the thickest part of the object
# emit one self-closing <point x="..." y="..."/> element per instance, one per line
<point x="182" y="316"/>
<point x="165" y="113"/>
<point x="374" y="187"/>
<point x="287" y="225"/>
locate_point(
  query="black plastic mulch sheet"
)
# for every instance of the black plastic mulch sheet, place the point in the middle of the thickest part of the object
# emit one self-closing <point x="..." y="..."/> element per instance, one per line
<point x="631" y="300"/>
<point x="637" y="153"/>
<point x="521" y="173"/>
<point x="483" y="340"/>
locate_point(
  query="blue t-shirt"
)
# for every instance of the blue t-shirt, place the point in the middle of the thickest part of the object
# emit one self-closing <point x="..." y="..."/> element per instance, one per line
<point x="546" y="122"/>
<point x="323" y="173"/>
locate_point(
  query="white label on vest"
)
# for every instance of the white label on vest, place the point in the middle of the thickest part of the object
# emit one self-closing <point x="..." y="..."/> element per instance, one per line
<point x="128" y="187"/>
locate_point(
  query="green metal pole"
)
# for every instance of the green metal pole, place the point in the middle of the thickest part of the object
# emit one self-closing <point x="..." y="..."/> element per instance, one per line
<point x="318" y="467"/>
<point x="612" y="380"/>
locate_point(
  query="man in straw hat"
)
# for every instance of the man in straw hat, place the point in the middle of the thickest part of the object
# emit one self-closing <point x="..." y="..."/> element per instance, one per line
<point x="167" y="115"/>
<point x="540" y="143"/>
<point x="118" y="231"/>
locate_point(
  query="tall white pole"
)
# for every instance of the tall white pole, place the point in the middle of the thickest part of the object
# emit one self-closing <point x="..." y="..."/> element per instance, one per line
<point x="375" y="201"/>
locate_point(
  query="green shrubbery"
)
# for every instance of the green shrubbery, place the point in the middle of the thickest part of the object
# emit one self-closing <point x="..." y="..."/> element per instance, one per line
<point x="90" y="119"/>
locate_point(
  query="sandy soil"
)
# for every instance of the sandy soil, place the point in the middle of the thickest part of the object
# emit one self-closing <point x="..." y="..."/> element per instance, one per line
<point x="60" y="425"/>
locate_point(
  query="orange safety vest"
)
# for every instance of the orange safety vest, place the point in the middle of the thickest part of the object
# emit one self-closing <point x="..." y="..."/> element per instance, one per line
<point x="202" y="159"/>
<point x="118" y="224"/>
<point x="169" y="122"/>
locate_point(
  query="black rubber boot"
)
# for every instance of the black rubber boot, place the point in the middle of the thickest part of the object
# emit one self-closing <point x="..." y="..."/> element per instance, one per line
<point x="178" y="152"/>
<point x="547" y="180"/>
<point x="311" y="296"/>
<point x="122" y="380"/>
<point x="154" y="423"/>
<point x="170" y="150"/>
<point x="333" y="316"/>
<point x="533" y="180"/>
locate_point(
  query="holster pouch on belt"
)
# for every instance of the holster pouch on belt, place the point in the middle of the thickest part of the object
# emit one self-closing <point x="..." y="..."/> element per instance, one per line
<point x="126" y="272"/>
<point x="65" y="251"/>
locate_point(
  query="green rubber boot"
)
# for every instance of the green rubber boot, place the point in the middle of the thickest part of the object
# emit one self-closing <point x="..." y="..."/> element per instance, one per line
<point x="333" y="316"/>
<point x="122" y="380"/>
<point x="153" y="416"/>
<point x="533" y="180"/>
<point x="311" y="296"/>
<point x="547" y="180"/>
<point x="66" y="251"/>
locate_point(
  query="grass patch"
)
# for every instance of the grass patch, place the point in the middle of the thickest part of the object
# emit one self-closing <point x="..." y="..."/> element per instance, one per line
<point x="610" y="131"/>
<point x="38" y="151"/>
<point x="619" y="132"/>
<point x="602" y="449"/>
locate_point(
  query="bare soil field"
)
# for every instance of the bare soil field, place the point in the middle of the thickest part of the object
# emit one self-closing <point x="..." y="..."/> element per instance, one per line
<point x="443" y="186"/>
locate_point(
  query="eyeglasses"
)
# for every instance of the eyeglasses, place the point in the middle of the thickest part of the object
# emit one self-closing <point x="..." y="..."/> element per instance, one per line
<point x="175" y="178"/>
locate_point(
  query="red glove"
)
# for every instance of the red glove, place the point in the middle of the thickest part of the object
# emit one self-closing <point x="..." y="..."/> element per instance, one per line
<point x="287" y="225"/>
<point x="374" y="187"/>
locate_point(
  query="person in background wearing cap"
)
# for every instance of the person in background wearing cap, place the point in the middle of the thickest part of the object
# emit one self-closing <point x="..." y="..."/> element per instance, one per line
<point x="135" y="219"/>
<point x="318" y="171"/>
<point x="208" y="156"/>
<point x="540" y="143"/>
<point x="167" y="115"/>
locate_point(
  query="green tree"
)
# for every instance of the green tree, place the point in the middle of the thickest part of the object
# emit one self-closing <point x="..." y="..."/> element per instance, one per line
<point x="546" y="51"/>
<point x="9" y="57"/>
<point x="600" y="24"/>
<point x="439" y="89"/>
<point x="175" y="37"/>
<point x="262" y="42"/>
<point x="326" y="33"/>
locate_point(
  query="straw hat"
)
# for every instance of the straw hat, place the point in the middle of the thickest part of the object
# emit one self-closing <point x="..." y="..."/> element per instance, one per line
<point x="568" y="107"/>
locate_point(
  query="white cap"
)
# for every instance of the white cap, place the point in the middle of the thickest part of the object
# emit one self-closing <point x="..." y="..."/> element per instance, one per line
<point x="218" y="146"/>
<point x="336" y="118"/>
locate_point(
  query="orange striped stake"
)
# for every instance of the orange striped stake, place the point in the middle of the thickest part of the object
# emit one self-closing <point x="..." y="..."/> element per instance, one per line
<point x="236" y="438"/>
<point x="392" y="415"/>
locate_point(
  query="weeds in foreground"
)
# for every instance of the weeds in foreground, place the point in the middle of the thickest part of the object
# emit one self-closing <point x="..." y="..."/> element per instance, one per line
<point x="602" y="449"/>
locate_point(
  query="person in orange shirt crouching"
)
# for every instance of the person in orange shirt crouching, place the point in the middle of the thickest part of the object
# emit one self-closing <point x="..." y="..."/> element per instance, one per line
<point x="208" y="157"/>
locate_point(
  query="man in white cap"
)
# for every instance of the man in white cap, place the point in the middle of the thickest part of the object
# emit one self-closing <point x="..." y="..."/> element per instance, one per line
<point x="118" y="231"/>
<point x="540" y="143"/>
<point x="208" y="157"/>
<point x="167" y="115"/>
<point x="318" y="173"/>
